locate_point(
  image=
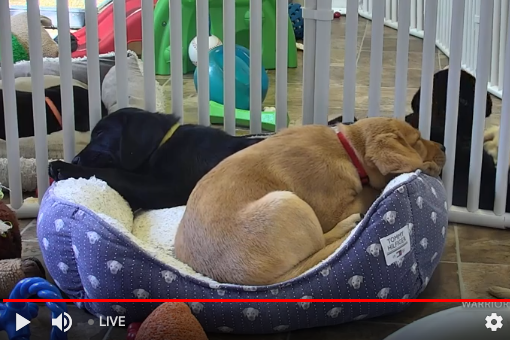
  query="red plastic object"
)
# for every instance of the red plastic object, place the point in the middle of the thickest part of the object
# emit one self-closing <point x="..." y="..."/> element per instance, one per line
<point x="133" y="330"/>
<point x="337" y="15"/>
<point x="37" y="193"/>
<point x="105" y="28"/>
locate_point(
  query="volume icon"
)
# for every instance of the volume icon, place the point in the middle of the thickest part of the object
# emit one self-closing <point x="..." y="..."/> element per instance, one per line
<point x="63" y="322"/>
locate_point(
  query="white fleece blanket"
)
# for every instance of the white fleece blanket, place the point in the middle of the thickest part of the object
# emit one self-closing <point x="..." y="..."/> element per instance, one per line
<point x="154" y="230"/>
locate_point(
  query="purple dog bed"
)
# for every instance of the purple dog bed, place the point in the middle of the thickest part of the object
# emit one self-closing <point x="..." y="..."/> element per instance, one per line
<point x="391" y="254"/>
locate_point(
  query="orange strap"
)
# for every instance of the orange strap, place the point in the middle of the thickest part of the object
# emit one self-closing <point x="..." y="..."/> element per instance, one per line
<point x="54" y="109"/>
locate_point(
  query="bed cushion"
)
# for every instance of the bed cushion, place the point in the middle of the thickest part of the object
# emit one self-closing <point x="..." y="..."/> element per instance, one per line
<point x="94" y="247"/>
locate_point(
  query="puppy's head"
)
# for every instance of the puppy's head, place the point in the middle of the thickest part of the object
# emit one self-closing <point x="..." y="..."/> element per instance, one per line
<point x="439" y="94"/>
<point x="392" y="147"/>
<point x="125" y="139"/>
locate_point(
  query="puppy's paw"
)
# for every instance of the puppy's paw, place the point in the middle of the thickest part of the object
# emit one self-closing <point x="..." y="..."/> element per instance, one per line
<point x="59" y="170"/>
<point x="431" y="169"/>
<point x="491" y="133"/>
<point x="499" y="292"/>
<point x="352" y="221"/>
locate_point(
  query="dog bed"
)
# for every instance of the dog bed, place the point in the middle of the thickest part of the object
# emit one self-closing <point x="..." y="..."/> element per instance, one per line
<point x="109" y="98"/>
<point x="95" y="247"/>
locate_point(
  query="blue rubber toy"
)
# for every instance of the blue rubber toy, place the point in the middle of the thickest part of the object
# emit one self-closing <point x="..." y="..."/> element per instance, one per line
<point x="296" y="17"/>
<point x="24" y="290"/>
<point x="242" y="77"/>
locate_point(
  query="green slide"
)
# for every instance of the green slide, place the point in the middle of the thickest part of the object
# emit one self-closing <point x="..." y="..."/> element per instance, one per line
<point x="162" y="32"/>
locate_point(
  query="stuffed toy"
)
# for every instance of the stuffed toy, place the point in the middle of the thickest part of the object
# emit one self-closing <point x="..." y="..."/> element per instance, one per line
<point x="19" y="31"/>
<point x="171" y="320"/>
<point x="12" y="267"/>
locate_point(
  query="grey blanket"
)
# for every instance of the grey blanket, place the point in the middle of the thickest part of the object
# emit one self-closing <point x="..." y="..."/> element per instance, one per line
<point x="51" y="66"/>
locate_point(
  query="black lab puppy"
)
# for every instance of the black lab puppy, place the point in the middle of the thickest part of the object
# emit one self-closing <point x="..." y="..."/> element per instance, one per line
<point x="466" y="106"/>
<point x="148" y="158"/>
<point x="463" y="137"/>
<point x="26" y="113"/>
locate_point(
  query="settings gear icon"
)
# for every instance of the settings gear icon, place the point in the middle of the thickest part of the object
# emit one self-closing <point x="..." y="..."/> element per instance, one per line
<point x="494" y="326"/>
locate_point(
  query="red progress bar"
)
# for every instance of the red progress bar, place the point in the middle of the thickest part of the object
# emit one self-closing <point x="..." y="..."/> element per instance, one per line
<point x="260" y="300"/>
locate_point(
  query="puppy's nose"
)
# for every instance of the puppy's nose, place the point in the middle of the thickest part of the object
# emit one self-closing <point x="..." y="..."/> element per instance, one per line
<point x="443" y="148"/>
<point x="76" y="160"/>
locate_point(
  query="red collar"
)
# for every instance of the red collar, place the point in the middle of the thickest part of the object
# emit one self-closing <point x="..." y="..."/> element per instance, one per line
<point x="355" y="160"/>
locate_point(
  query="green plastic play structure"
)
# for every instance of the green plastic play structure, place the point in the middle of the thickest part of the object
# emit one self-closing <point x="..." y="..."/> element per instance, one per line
<point x="268" y="118"/>
<point x="162" y="32"/>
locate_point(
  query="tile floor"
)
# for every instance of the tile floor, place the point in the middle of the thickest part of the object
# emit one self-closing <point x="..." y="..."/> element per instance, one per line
<point x="474" y="257"/>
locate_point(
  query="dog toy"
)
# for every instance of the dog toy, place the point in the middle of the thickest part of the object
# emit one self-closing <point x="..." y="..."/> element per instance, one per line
<point x="133" y="330"/>
<point x="20" y="45"/>
<point x="12" y="267"/>
<point x="24" y="290"/>
<point x="171" y="320"/>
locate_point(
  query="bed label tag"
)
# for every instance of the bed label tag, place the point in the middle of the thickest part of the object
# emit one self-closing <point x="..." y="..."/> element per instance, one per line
<point x="395" y="246"/>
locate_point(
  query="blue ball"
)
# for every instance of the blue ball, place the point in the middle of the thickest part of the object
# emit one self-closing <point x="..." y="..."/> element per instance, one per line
<point x="296" y="17"/>
<point x="242" y="77"/>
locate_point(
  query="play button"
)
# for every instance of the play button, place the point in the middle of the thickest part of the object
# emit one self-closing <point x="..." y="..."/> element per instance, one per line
<point x="21" y="322"/>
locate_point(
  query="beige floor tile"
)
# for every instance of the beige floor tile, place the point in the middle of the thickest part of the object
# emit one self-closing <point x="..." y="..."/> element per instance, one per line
<point x="483" y="245"/>
<point x="477" y="277"/>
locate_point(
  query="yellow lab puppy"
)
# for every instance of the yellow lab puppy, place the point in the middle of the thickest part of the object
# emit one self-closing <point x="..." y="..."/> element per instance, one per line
<point x="278" y="208"/>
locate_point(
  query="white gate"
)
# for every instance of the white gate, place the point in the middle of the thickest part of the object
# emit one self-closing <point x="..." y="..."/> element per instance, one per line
<point x="474" y="36"/>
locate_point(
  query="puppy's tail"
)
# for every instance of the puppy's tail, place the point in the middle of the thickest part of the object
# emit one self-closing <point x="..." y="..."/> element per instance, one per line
<point x="499" y="292"/>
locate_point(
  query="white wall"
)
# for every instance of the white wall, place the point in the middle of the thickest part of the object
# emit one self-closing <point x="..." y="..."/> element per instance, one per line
<point x="340" y="6"/>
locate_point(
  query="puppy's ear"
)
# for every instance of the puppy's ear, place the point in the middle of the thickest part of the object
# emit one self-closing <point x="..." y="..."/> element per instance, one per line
<point x="391" y="154"/>
<point x="140" y="137"/>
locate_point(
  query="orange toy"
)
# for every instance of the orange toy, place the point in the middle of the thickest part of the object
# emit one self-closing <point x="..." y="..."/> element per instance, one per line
<point x="171" y="321"/>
